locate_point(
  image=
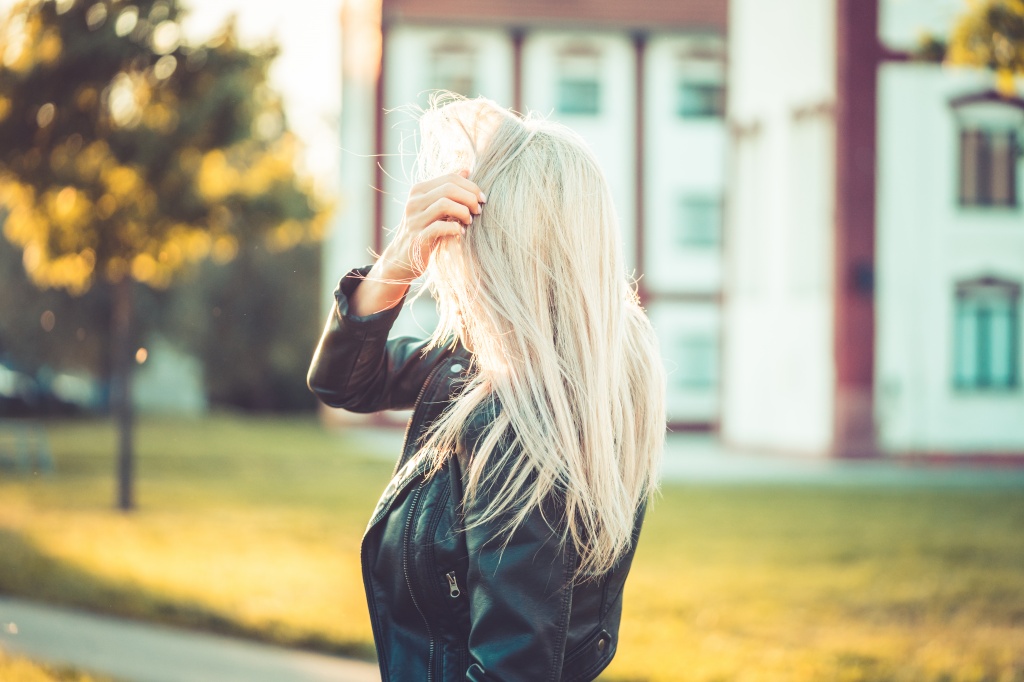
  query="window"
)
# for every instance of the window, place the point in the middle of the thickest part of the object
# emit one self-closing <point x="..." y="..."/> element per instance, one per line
<point x="579" y="82"/>
<point x="990" y="129"/>
<point x="988" y="167"/>
<point x="453" y="68"/>
<point x="700" y="79"/>
<point x="579" y="96"/>
<point x="695" y="99"/>
<point x="698" y="221"/>
<point x="987" y="334"/>
<point x="698" y="362"/>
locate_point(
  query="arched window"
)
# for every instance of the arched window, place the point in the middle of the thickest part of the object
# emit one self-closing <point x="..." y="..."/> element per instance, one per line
<point x="986" y="350"/>
<point x="990" y="148"/>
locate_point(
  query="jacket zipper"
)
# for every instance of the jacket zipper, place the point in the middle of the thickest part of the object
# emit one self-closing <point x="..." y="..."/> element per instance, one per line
<point x="453" y="585"/>
<point x="362" y="553"/>
<point x="405" y="559"/>
<point x="408" y="580"/>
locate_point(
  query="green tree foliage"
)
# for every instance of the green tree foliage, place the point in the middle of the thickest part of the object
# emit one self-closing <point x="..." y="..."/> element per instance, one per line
<point x="990" y="34"/>
<point x="129" y="154"/>
<point x="250" y="321"/>
<point x="50" y="328"/>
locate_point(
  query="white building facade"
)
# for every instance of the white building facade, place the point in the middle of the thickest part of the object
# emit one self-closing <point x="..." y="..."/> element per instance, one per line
<point x="875" y="238"/>
<point x="644" y="86"/>
<point x="950" y="253"/>
<point x="780" y="387"/>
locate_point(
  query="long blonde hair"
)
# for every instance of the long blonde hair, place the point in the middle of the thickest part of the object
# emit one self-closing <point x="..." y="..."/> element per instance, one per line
<point x="538" y="291"/>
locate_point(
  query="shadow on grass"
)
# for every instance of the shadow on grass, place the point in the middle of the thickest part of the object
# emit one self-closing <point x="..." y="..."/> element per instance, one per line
<point x="28" y="572"/>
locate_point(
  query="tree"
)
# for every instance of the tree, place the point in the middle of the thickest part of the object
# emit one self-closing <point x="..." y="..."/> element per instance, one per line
<point x="990" y="34"/>
<point x="130" y="155"/>
<point x="259" y="302"/>
<point x="49" y="328"/>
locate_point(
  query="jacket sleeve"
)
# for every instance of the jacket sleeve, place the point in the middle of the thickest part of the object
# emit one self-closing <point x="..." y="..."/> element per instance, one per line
<point x="357" y="368"/>
<point x="520" y="597"/>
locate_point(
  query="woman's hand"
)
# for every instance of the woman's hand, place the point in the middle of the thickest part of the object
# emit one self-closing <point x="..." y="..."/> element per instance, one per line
<point x="437" y="209"/>
<point x="441" y="208"/>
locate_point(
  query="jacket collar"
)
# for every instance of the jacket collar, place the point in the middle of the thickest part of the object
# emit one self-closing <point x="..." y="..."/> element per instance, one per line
<point x="443" y="378"/>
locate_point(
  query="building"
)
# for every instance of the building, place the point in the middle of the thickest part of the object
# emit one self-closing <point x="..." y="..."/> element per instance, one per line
<point x="875" y="237"/>
<point x="644" y="85"/>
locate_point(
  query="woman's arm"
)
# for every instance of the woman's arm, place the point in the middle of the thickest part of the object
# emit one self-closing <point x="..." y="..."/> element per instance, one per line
<point x="355" y="366"/>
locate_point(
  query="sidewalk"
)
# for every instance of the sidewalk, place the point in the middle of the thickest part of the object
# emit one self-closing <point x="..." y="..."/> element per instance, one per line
<point x="702" y="459"/>
<point x="138" y="652"/>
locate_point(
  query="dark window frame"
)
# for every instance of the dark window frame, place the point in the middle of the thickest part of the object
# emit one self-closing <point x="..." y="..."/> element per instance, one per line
<point x="978" y="164"/>
<point x="978" y="169"/>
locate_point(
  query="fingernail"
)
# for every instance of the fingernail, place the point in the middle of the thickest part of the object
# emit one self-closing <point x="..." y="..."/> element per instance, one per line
<point x="483" y="198"/>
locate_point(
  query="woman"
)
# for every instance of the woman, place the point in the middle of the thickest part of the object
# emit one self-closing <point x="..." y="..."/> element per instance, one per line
<point x="500" y="548"/>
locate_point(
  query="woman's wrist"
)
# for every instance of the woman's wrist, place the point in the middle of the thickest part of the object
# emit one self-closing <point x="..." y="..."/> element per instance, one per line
<point x="382" y="288"/>
<point x="392" y="273"/>
<point x="392" y="269"/>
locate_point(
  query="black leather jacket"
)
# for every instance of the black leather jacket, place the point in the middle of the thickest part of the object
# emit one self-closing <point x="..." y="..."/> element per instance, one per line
<point x="447" y="603"/>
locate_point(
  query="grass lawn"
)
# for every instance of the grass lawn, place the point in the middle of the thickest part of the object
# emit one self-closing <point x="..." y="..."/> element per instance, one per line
<point x="252" y="526"/>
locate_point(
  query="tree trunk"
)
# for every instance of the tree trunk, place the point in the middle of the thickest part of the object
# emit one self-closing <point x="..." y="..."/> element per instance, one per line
<point x="121" y="395"/>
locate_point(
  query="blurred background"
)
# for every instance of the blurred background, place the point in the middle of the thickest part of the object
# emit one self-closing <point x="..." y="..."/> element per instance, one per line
<point x="821" y="203"/>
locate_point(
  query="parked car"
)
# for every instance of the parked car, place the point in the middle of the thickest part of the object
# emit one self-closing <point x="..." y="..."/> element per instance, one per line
<point x="47" y="393"/>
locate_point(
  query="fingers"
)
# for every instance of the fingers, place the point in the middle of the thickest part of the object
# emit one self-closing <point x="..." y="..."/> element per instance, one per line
<point x="429" y="239"/>
<point x="437" y="209"/>
<point x="449" y="191"/>
<point x="440" y="230"/>
<point x="445" y="209"/>
<point x="458" y="179"/>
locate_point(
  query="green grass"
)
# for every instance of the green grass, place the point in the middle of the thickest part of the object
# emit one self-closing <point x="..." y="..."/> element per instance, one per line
<point x="252" y="527"/>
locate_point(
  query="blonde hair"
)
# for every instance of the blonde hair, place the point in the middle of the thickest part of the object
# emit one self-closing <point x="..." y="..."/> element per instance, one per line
<point x="538" y="291"/>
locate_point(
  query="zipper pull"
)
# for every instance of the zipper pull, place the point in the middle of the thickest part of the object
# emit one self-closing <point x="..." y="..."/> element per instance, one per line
<point x="453" y="585"/>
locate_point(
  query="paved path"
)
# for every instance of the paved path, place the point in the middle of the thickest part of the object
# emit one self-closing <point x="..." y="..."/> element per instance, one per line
<point x="697" y="459"/>
<point x="138" y="652"/>
<point x="702" y="459"/>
